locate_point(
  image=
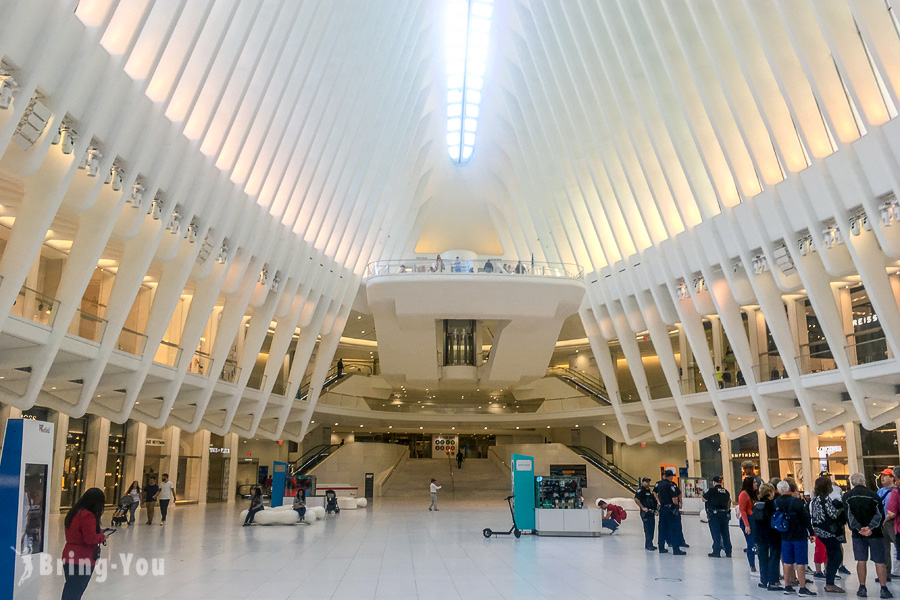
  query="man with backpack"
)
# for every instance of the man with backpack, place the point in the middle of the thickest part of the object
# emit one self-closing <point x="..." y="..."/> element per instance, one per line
<point x="718" y="510"/>
<point x="865" y="515"/>
<point x="791" y="519"/>
<point x="614" y="515"/>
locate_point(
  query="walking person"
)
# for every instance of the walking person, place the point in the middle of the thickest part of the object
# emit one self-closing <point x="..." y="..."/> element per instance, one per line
<point x="767" y="539"/>
<point x="459" y="459"/>
<point x="827" y="516"/>
<point x="648" y="504"/>
<point x="792" y="519"/>
<point x="746" y="500"/>
<point x="151" y="491"/>
<point x="864" y="517"/>
<point x="668" y="496"/>
<point x="256" y="505"/>
<point x="135" y="492"/>
<point x="166" y="495"/>
<point x="434" y="488"/>
<point x="718" y="511"/>
<point x="83" y="539"/>
<point x="888" y="485"/>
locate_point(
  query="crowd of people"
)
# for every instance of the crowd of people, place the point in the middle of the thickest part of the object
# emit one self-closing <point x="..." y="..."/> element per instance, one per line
<point x="779" y="523"/>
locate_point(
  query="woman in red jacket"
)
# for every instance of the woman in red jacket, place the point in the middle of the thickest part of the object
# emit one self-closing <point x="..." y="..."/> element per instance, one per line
<point x="83" y="539"/>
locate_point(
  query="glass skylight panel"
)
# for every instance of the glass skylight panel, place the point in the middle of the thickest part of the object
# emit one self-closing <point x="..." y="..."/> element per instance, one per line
<point x="468" y="36"/>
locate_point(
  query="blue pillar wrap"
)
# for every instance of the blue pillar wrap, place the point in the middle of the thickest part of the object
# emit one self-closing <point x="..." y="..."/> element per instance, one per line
<point x="278" y="480"/>
<point x="10" y="481"/>
<point x="522" y="472"/>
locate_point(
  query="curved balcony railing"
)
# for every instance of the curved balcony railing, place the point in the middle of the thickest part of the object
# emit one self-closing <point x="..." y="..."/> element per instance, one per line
<point x="479" y="267"/>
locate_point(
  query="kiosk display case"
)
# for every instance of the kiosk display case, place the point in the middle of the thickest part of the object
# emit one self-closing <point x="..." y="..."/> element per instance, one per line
<point x="558" y="491"/>
<point x="692" y="490"/>
<point x="560" y="510"/>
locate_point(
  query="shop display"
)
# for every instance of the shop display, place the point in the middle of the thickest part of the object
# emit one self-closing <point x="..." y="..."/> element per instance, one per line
<point x="694" y="487"/>
<point x="558" y="491"/>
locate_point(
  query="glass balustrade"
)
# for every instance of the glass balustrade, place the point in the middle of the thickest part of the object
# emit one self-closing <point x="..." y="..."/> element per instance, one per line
<point x="87" y="326"/>
<point x="230" y="372"/>
<point x="32" y="305"/>
<point x="480" y="267"/>
<point x="131" y="342"/>
<point x="201" y="363"/>
<point x="864" y="348"/>
<point x="815" y="359"/>
<point x="168" y="353"/>
<point x="256" y="381"/>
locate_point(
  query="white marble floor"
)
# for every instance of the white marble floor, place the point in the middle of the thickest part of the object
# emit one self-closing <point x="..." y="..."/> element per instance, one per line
<point x="397" y="549"/>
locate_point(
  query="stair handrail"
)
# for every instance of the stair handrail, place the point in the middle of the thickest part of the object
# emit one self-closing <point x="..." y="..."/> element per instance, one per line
<point x="604" y="464"/>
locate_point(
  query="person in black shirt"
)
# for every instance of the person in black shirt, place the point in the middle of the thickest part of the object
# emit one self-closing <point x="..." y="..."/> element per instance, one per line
<point x="865" y="514"/>
<point x="151" y="491"/>
<point x="646" y="501"/>
<point x="669" y="498"/>
<point x="718" y="510"/>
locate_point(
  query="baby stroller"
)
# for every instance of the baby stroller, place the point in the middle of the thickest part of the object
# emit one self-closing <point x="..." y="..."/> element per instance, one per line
<point x="331" y="503"/>
<point x="120" y="516"/>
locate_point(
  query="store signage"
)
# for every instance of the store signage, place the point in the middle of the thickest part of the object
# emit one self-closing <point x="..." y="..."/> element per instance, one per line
<point x="155" y="442"/>
<point x="828" y="450"/>
<point x="865" y="320"/>
<point x="214" y="450"/>
<point x="523" y="465"/>
<point x="444" y="444"/>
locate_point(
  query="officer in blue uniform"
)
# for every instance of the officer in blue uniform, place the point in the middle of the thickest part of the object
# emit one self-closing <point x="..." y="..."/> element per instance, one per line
<point x="646" y="501"/>
<point x="669" y="498"/>
<point x="718" y="510"/>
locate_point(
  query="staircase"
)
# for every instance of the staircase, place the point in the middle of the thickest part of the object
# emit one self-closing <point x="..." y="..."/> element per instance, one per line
<point x="479" y="478"/>
<point x="581" y="382"/>
<point x="603" y="464"/>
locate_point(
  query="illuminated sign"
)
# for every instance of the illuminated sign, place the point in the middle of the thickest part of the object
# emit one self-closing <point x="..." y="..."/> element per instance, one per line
<point x="865" y="320"/>
<point x="828" y="450"/>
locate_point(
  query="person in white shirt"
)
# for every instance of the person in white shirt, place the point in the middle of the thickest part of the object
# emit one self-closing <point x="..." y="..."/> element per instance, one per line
<point x="166" y="494"/>
<point x="434" y="488"/>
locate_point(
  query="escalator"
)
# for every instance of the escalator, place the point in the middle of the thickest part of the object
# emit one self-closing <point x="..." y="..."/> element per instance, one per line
<point x="310" y="459"/>
<point x="615" y="473"/>
<point x="333" y="377"/>
<point x="583" y="383"/>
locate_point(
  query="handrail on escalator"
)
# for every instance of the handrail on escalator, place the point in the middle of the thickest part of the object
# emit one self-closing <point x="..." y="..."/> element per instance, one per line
<point x="591" y="386"/>
<point x="330" y="379"/>
<point x="608" y="467"/>
<point x="311" y="458"/>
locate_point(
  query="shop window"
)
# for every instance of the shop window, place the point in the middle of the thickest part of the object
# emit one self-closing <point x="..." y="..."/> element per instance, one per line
<point x="219" y="464"/>
<point x="114" y="486"/>
<point x="831" y="455"/>
<point x="815" y="354"/>
<point x="74" y="463"/>
<point x="879" y="451"/>
<point x="784" y="457"/>
<point x="744" y="448"/>
<point x="867" y="342"/>
<point x="711" y="457"/>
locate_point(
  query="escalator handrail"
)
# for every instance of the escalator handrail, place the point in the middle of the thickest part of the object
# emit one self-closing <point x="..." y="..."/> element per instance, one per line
<point x="607" y="467"/>
<point x="311" y="458"/>
<point x="594" y="386"/>
<point x="330" y="379"/>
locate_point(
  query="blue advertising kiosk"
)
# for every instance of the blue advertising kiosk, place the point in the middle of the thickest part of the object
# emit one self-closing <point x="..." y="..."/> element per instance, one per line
<point x="25" y="468"/>
<point x="279" y="475"/>
<point x="522" y="474"/>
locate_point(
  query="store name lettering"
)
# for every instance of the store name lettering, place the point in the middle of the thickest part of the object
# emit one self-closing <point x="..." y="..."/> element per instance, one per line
<point x="219" y="450"/>
<point x="826" y="450"/>
<point x="865" y="320"/>
<point x="155" y="442"/>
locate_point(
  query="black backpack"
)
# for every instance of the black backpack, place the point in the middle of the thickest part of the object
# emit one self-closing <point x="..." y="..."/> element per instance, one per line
<point x="759" y="508"/>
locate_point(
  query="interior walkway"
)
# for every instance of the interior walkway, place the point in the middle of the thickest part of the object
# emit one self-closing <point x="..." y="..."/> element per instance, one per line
<point x="397" y="549"/>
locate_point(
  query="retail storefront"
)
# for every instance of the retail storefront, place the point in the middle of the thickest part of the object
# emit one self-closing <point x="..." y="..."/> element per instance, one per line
<point x="879" y="451"/>
<point x="219" y="466"/>
<point x="75" y="462"/>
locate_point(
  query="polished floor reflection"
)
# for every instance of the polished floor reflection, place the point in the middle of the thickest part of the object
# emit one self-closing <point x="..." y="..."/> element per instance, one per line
<point x="397" y="549"/>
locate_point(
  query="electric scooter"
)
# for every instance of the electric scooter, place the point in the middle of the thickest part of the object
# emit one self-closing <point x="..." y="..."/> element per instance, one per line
<point x="512" y="530"/>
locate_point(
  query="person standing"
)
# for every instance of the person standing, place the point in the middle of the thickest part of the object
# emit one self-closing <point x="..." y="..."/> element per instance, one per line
<point x="720" y="378"/>
<point x="135" y="492"/>
<point x="746" y="499"/>
<point x="256" y="505"/>
<point x="827" y="516"/>
<point x="718" y="511"/>
<point x="340" y="367"/>
<point x="439" y="264"/>
<point x="668" y="496"/>
<point x="767" y="540"/>
<point x="795" y="530"/>
<point x="748" y="469"/>
<point x="83" y="539"/>
<point x="864" y="517"/>
<point x="459" y="458"/>
<point x="151" y="491"/>
<point x="893" y="509"/>
<point x="434" y="488"/>
<point x="648" y="504"/>
<point x="166" y="495"/>
<point x="888" y="485"/>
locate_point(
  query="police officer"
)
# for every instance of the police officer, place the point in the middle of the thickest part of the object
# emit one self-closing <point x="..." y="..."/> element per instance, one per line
<point x="646" y="501"/>
<point x="669" y="498"/>
<point x="718" y="510"/>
